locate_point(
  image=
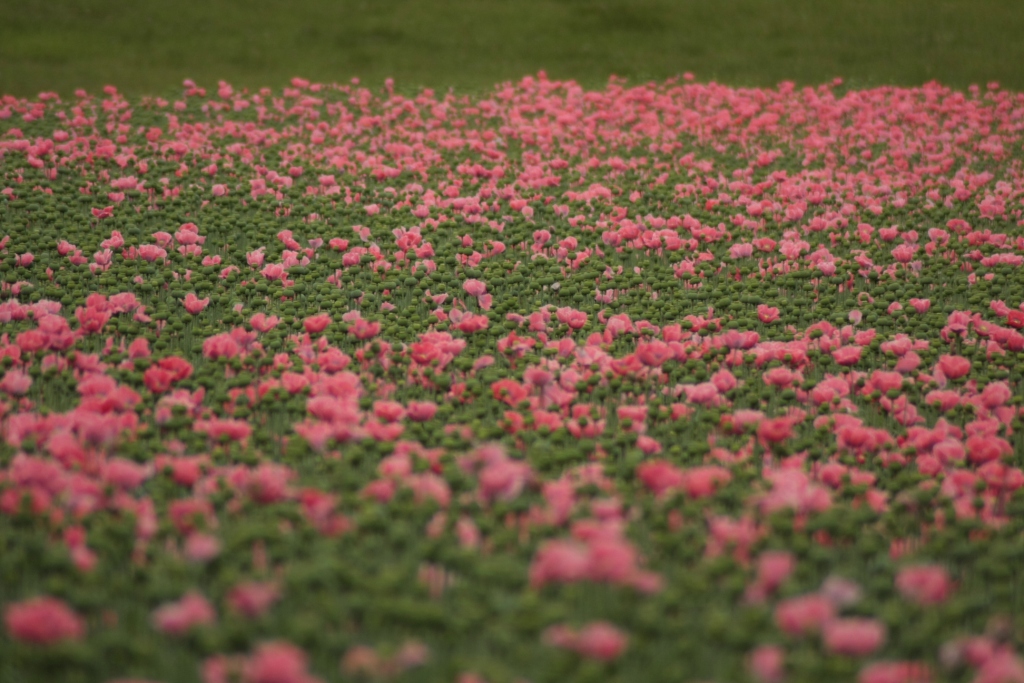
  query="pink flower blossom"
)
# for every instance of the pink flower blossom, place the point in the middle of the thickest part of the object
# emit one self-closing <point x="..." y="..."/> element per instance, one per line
<point x="598" y="640"/>
<point x="261" y="322"/>
<point x="847" y="355"/>
<point x="767" y="314"/>
<point x="277" y="662"/>
<point x="766" y="664"/>
<point x="15" y="383"/>
<point x="474" y="288"/>
<point x="194" y="304"/>
<point x="953" y="367"/>
<point x="804" y="614"/>
<point x="253" y="599"/>
<point x="421" y="411"/>
<point x="201" y="547"/>
<point x="920" y="305"/>
<point x="654" y="353"/>
<point x="924" y="584"/>
<point x="895" y="672"/>
<point x="178" y="618"/>
<point x="220" y="346"/>
<point x="315" y="324"/>
<point x="43" y="621"/>
<point x="854" y="637"/>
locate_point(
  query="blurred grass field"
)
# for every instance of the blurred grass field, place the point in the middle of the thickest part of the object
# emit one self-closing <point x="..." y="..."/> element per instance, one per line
<point x="149" y="46"/>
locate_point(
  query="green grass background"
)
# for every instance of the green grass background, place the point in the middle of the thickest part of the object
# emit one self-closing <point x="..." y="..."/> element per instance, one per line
<point x="149" y="46"/>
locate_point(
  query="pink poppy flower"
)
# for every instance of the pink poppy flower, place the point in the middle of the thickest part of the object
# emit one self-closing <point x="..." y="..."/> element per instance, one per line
<point x="43" y="621"/>
<point x="924" y="584"/>
<point x="703" y="480"/>
<point x="363" y="329"/>
<point x="773" y="568"/>
<point x="315" y="324"/>
<point x="847" y="355"/>
<point x="920" y="305"/>
<point x="766" y="664"/>
<point x="277" y="662"/>
<point x="178" y="618"/>
<point x="151" y="253"/>
<point x="253" y="599"/>
<point x="780" y="377"/>
<point x="470" y="324"/>
<point x="767" y="314"/>
<point x="895" y="672"/>
<point x="194" y="304"/>
<point x="261" y="322"/>
<point x="388" y="411"/>
<point x="15" y="383"/>
<point x="599" y="640"/>
<point x="804" y="614"/>
<point x="775" y="430"/>
<point x="705" y="393"/>
<point x="124" y="473"/>
<point x="841" y="592"/>
<point x="953" y="367"/>
<point x="503" y="479"/>
<point x="854" y="637"/>
<point x="738" y="251"/>
<point x="559" y="561"/>
<point x="421" y="411"/>
<point x="1002" y="667"/>
<point x="474" y="287"/>
<point x="201" y="547"/>
<point x="660" y="476"/>
<point x="654" y="353"/>
<point x="648" y="445"/>
<point x="573" y="318"/>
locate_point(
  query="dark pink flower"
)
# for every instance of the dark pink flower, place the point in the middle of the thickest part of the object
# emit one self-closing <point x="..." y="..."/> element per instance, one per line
<point x="847" y="355"/>
<point x="853" y="636"/>
<point x="598" y="640"/>
<point x="253" y="599"/>
<point x="895" y="672"/>
<point x="177" y="618"/>
<point x="953" y="367"/>
<point x="767" y="314"/>
<point x="194" y="304"/>
<point x="924" y="584"/>
<point x="920" y="305"/>
<point x="151" y="252"/>
<point x="220" y="346"/>
<point x="421" y="411"/>
<point x="654" y="353"/>
<point x="363" y="329"/>
<point x="16" y="383"/>
<point x="804" y="614"/>
<point x="766" y="663"/>
<point x="573" y="318"/>
<point x="315" y="324"/>
<point x="277" y="662"/>
<point x="201" y="547"/>
<point x="1002" y="667"/>
<point x="43" y="621"/>
<point x="261" y="322"/>
<point x="474" y="288"/>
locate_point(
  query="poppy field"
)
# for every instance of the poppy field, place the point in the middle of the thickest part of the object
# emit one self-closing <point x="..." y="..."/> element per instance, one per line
<point x="661" y="382"/>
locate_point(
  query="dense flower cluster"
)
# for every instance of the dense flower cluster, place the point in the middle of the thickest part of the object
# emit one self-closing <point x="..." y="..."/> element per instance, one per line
<point x="545" y="384"/>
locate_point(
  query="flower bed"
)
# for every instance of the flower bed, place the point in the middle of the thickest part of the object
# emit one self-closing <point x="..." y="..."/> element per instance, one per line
<point x="658" y="383"/>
